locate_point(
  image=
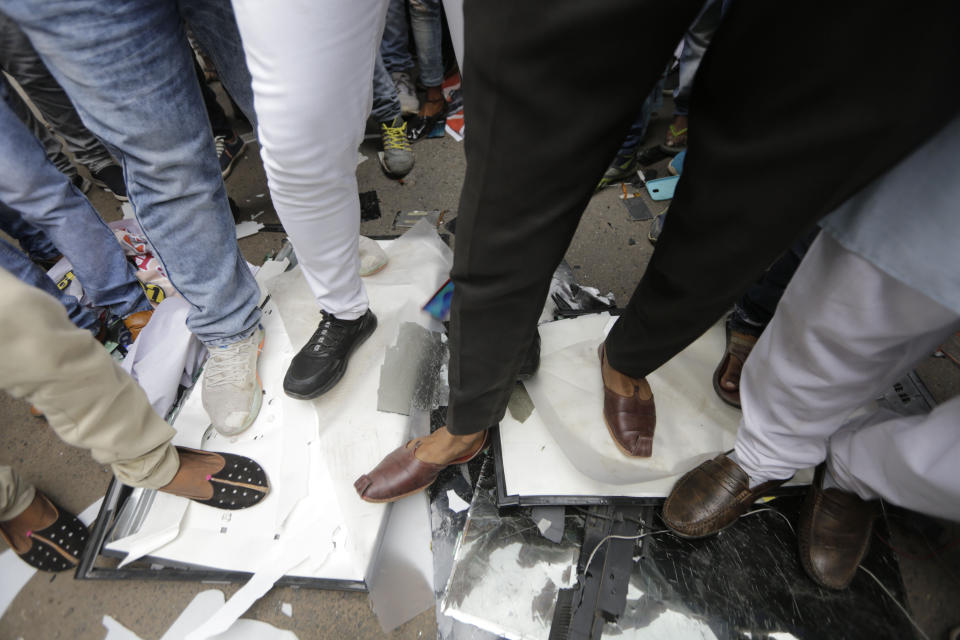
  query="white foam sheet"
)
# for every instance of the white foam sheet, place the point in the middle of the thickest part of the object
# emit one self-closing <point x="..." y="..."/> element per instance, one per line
<point x="354" y="436"/>
<point x="283" y="439"/>
<point x="401" y="584"/>
<point x="564" y="448"/>
<point x="312" y="451"/>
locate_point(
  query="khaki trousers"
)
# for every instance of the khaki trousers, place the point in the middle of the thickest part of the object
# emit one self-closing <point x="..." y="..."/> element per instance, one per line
<point x="87" y="398"/>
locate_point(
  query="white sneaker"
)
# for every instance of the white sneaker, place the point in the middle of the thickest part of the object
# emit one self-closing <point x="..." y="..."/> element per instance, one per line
<point x="372" y="257"/>
<point x="406" y="92"/>
<point x="231" y="386"/>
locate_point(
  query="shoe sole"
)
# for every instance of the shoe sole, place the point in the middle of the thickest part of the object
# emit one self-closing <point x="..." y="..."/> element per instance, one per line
<point x="339" y="373"/>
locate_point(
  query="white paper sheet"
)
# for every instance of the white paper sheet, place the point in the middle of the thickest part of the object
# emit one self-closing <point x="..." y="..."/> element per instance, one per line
<point x="248" y="228"/>
<point x="692" y="422"/>
<point x="564" y="448"/>
<point x="165" y="355"/>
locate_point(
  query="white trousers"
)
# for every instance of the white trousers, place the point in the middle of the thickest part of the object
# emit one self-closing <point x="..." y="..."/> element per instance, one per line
<point x="312" y="67"/>
<point x="843" y="332"/>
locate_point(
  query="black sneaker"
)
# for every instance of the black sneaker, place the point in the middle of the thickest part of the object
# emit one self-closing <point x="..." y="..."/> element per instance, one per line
<point x="323" y="360"/>
<point x="228" y="151"/>
<point x="110" y="179"/>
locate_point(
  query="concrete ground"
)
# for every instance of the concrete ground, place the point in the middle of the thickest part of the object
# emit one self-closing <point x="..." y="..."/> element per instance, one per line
<point x="609" y="252"/>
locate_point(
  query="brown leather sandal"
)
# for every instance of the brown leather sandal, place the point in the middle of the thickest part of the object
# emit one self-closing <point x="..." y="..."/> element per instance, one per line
<point x="739" y="346"/>
<point x="403" y="474"/>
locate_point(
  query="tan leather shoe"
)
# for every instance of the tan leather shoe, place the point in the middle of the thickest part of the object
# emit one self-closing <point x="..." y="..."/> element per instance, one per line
<point x="628" y="410"/>
<point x="402" y="473"/>
<point x="711" y="497"/>
<point x="135" y="322"/>
<point x="834" y="534"/>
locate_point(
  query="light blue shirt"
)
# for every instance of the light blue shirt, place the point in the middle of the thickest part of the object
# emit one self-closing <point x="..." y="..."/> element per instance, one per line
<point x="907" y="222"/>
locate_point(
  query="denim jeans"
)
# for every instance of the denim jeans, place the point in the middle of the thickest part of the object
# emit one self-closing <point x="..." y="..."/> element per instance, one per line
<point x="753" y="312"/>
<point x="425" y="17"/>
<point x="31" y="187"/>
<point x="14" y="261"/>
<point x="129" y="71"/>
<point x="386" y="104"/>
<point x="395" y="44"/>
<point x="34" y="242"/>
<point x="20" y="60"/>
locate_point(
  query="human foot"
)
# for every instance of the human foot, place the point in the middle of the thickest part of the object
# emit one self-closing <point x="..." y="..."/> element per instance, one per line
<point x="628" y="410"/>
<point x="221" y="480"/>
<point x="726" y="378"/>
<point x="676" y="136"/>
<point x="44" y="536"/>
<point x="408" y="470"/>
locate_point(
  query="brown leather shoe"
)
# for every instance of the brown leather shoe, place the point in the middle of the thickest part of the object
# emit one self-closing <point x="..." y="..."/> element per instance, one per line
<point x="135" y="322"/>
<point x="834" y="535"/>
<point x="628" y="410"/>
<point x="739" y="346"/>
<point x="711" y="497"/>
<point x="402" y="473"/>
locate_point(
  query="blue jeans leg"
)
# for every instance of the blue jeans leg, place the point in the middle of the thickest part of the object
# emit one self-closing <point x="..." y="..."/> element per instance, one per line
<point x="23" y="268"/>
<point x="386" y="104"/>
<point x="129" y="71"/>
<point x="32" y="240"/>
<point x="395" y="44"/>
<point x="215" y="27"/>
<point x="427" y="35"/>
<point x="32" y="187"/>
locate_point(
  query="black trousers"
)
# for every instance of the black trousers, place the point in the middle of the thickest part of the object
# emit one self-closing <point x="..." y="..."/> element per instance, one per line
<point x="796" y="106"/>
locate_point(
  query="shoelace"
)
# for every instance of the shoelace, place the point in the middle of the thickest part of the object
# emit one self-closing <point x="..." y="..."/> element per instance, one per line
<point x="221" y="143"/>
<point x="328" y="336"/>
<point x="229" y="364"/>
<point x="395" y="138"/>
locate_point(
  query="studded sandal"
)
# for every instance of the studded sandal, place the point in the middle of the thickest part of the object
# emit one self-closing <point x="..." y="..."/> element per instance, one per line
<point x="56" y="547"/>
<point x="241" y="483"/>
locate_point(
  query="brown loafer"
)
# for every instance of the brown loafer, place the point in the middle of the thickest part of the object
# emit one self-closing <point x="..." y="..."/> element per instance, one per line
<point x="739" y="346"/>
<point x="834" y="535"/>
<point x="630" y="418"/>
<point x="711" y="497"/>
<point x="403" y="474"/>
<point x="135" y="322"/>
